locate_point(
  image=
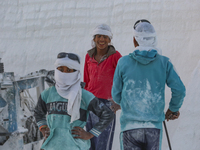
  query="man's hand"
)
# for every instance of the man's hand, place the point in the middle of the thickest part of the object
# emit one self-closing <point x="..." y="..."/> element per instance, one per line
<point x="114" y="107"/>
<point x="45" y="132"/>
<point x="171" y="115"/>
<point x="80" y="133"/>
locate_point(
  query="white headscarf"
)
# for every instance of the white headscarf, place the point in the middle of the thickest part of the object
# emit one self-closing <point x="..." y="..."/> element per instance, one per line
<point x="146" y="37"/>
<point x="68" y="86"/>
<point x="101" y="29"/>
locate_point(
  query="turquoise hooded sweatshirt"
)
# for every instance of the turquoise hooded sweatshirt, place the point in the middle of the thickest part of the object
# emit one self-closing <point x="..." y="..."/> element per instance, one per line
<point x="139" y="88"/>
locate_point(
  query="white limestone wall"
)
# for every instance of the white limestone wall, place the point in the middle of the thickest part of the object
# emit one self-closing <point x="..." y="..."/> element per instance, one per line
<point x="33" y="32"/>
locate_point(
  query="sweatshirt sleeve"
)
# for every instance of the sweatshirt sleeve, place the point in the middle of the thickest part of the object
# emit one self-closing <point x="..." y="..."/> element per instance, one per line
<point x="117" y="85"/>
<point x="40" y="112"/>
<point x="86" y="74"/>
<point x="103" y="112"/>
<point x="177" y="88"/>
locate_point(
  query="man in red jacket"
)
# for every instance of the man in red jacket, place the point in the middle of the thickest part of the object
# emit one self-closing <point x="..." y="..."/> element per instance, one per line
<point x="100" y="64"/>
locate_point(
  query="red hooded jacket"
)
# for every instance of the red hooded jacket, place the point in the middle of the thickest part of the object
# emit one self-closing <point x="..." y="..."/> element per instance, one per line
<point x="99" y="76"/>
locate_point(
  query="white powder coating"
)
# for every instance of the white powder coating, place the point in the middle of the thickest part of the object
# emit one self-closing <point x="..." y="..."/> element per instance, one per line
<point x="33" y="32"/>
<point x="140" y="91"/>
<point x="140" y="95"/>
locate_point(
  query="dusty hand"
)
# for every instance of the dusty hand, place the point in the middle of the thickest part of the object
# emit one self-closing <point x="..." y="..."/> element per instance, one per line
<point x="45" y="132"/>
<point x="114" y="107"/>
<point x="170" y="116"/>
<point x="80" y="133"/>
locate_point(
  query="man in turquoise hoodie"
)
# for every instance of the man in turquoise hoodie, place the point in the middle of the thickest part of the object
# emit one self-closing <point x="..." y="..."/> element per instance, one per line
<point x="139" y="88"/>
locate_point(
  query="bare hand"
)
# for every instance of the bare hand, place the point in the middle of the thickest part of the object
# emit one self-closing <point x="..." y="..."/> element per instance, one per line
<point x="170" y="116"/>
<point x="114" y="107"/>
<point x="80" y="133"/>
<point x="45" y="132"/>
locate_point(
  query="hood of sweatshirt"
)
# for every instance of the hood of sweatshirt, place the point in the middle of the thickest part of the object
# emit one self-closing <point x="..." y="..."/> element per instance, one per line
<point x="144" y="57"/>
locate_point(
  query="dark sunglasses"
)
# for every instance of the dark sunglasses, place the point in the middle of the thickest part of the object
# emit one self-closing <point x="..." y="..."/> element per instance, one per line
<point x="69" y="55"/>
<point x="139" y="21"/>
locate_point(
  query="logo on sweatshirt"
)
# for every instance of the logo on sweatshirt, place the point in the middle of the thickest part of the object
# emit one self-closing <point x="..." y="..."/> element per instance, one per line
<point x="57" y="108"/>
<point x="61" y="108"/>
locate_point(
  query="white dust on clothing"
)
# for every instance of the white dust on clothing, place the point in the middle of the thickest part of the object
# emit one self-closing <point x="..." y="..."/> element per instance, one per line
<point x="141" y="97"/>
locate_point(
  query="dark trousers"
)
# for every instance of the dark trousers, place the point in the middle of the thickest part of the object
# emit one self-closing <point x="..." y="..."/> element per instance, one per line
<point x="105" y="139"/>
<point x="141" y="139"/>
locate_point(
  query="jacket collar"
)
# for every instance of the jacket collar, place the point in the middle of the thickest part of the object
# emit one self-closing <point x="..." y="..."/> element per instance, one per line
<point x="111" y="50"/>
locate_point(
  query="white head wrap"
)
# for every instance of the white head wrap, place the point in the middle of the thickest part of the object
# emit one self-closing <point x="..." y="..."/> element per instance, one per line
<point x="68" y="85"/>
<point x="102" y="29"/>
<point x="146" y="37"/>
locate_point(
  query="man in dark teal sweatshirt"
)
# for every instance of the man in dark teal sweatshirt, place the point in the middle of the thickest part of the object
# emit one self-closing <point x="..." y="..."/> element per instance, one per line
<point x="63" y="109"/>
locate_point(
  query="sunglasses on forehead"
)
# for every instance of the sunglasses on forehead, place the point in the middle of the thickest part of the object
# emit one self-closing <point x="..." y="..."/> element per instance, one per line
<point x="139" y="21"/>
<point x="69" y="55"/>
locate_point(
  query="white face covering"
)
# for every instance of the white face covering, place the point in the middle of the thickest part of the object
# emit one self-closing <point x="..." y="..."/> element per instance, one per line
<point x="68" y="86"/>
<point x="64" y="80"/>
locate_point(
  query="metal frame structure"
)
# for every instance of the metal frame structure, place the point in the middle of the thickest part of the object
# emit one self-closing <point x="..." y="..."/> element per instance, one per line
<point x="12" y="116"/>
